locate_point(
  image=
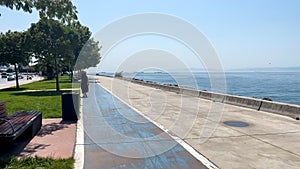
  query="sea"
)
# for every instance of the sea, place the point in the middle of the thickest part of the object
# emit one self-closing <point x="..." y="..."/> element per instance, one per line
<point x="277" y="86"/>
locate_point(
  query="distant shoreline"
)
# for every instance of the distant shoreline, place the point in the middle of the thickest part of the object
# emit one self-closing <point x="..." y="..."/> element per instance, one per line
<point x="195" y="70"/>
<point x="278" y="86"/>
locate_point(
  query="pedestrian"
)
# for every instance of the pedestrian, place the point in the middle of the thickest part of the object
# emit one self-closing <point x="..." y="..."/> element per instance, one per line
<point x="84" y="84"/>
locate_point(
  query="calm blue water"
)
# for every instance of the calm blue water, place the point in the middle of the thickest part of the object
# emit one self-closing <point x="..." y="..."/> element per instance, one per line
<point x="279" y="86"/>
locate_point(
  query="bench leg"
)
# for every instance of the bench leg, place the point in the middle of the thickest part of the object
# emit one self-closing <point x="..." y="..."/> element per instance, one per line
<point x="33" y="129"/>
<point x="36" y="126"/>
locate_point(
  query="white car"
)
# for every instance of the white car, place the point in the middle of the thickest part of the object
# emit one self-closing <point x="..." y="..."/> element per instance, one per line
<point x="11" y="77"/>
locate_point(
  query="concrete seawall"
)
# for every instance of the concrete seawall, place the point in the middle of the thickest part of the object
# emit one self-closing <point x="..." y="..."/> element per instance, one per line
<point x="289" y="110"/>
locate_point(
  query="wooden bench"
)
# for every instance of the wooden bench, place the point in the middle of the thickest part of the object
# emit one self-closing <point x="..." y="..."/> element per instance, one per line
<point x="26" y="123"/>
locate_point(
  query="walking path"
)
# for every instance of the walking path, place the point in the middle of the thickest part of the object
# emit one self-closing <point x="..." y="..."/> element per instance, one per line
<point x="56" y="139"/>
<point x="116" y="136"/>
<point x="258" y="140"/>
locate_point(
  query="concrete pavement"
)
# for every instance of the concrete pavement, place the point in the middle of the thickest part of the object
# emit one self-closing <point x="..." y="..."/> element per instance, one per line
<point x="266" y="141"/>
<point x="117" y="136"/>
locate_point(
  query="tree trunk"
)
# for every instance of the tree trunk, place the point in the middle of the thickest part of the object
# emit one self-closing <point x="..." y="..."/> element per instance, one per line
<point x="50" y="73"/>
<point x="70" y="72"/>
<point x="71" y="75"/>
<point x="17" y="77"/>
<point x="57" y="76"/>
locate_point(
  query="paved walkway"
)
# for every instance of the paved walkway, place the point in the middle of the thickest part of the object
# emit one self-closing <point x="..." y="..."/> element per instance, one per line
<point x="56" y="139"/>
<point x="116" y="136"/>
<point x="263" y="140"/>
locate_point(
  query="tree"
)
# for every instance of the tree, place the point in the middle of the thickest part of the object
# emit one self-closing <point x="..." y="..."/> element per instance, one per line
<point x="53" y="42"/>
<point x="50" y="44"/>
<point x="86" y="50"/>
<point x="25" y="5"/>
<point x="63" y="10"/>
<point x="78" y="35"/>
<point x="2" y="59"/>
<point x="83" y="34"/>
<point x="14" y="51"/>
<point x="89" y="55"/>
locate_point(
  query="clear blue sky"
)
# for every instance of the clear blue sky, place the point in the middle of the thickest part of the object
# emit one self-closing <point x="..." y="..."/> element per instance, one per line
<point x="245" y="33"/>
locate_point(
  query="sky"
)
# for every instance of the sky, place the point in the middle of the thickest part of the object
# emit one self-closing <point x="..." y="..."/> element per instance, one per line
<point x="244" y="33"/>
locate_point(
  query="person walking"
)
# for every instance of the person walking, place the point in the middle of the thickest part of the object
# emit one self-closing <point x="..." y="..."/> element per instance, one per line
<point x="84" y="84"/>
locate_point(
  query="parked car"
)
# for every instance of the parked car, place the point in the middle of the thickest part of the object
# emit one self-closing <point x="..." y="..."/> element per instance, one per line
<point x="3" y="75"/>
<point x="20" y="76"/>
<point x="11" y="77"/>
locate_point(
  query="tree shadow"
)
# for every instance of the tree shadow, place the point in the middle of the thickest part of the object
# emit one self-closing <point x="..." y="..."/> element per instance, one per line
<point x="40" y="93"/>
<point x="48" y="129"/>
<point x="21" y="146"/>
<point x="32" y="148"/>
<point x="13" y="89"/>
<point x="12" y="149"/>
<point x="61" y="81"/>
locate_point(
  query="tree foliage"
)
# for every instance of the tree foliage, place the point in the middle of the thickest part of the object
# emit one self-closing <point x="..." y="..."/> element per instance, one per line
<point x="56" y="40"/>
<point x="49" y="38"/>
<point x="62" y="10"/>
<point x="14" y="50"/>
<point x="57" y="45"/>
<point x="25" y="5"/>
<point x="89" y="55"/>
<point x="2" y="43"/>
<point x="50" y="43"/>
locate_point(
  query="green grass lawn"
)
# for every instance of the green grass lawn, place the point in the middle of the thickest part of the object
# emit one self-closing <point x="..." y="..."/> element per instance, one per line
<point x="48" y="102"/>
<point x="37" y="162"/>
<point x="64" y="83"/>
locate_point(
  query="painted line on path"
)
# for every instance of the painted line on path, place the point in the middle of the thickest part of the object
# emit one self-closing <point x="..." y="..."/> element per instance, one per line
<point x="185" y="145"/>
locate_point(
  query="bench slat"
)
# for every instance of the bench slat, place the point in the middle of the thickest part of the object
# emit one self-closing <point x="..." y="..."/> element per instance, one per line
<point x="21" y="121"/>
<point x="18" y="121"/>
<point x="13" y="126"/>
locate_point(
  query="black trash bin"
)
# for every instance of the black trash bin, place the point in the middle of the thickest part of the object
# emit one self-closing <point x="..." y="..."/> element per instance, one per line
<point x="70" y="106"/>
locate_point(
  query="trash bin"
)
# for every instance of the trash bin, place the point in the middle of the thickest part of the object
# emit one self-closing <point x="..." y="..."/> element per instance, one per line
<point x="70" y="106"/>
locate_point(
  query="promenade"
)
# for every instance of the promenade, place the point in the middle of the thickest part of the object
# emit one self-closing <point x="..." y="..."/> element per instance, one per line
<point x="258" y="140"/>
<point x="117" y="136"/>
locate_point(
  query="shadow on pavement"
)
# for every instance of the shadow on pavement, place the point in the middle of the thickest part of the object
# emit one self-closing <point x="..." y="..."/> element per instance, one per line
<point x="21" y="146"/>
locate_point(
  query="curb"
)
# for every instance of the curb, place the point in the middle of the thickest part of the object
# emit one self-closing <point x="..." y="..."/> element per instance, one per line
<point x="79" y="145"/>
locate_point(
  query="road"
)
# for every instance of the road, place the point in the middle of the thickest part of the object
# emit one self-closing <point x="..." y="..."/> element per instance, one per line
<point x="7" y="84"/>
